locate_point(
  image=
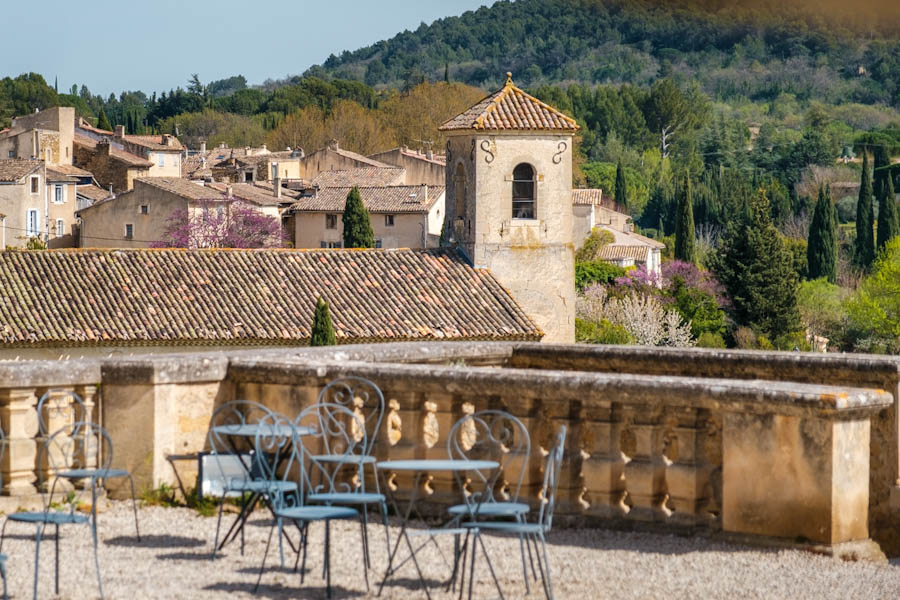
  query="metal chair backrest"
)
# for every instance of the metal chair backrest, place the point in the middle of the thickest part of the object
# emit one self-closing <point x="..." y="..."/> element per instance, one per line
<point x="60" y="407"/>
<point x="551" y="480"/>
<point x="493" y="435"/>
<point x="364" y="399"/>
<point x="79" y="446"/>
<point x="337" y="431"/>
<point x="278" y="458"/>
<point x="232" y="434"/>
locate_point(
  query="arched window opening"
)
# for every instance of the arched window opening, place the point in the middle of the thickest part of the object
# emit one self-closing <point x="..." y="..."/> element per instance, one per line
<point x="523" y="192"/>
<point x="460" y="183"/>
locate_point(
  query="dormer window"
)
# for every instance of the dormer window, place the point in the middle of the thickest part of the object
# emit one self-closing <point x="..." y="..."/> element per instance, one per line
<point x="523" y="200"/>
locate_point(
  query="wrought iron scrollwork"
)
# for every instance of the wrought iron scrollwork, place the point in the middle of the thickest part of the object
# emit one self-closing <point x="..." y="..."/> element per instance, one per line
<point x="489" y="155"/>
<point x="449" y="153"/>
<point x="472" y="153"/>
<point x="562" y="147"/>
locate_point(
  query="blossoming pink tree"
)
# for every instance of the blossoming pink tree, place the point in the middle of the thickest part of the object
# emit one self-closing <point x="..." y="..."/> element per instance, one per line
<point x="221" y="225"/>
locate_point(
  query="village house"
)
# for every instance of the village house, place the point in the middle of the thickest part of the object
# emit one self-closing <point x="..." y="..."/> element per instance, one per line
<point x="421" y="167"/>
<point x="46" y="135"/>
<point x="402" y="216"/>
<point x="139" y="218"/>
<point x="333" y="157"/>
<point x="111" y="166"/>
<point x="22" y="200"/>
<point x="163" y="152"/>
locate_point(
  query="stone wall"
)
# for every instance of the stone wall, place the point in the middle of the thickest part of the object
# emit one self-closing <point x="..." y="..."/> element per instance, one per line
<point x="775" y="461"/>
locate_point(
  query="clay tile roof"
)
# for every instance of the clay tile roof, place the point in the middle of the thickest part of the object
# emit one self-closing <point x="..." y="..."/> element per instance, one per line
<point x="381" y="199"/>
<point x="154" y="142"/>
<point x="262" y="195"/>
<point x="224" y="297"/>
<point x="638" y="253"/>
<point x="94" y="192"/>
<point x="56" y="176"/>
<point x="510" y="109"/>
<point x="14" y="169"/>
<point x="131" y="160"/>
<point x="183" y="187"/>
<point x="71" y="170"/>
<point x="587" y="197"/>
<point x="369" y="176"/>
<point x="435" y="158"/>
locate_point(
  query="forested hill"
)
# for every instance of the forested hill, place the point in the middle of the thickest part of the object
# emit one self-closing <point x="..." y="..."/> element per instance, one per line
<point x="755" y="49"/>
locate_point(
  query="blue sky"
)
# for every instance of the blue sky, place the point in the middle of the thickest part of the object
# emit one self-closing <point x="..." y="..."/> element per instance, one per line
<point x="115" y="45"/>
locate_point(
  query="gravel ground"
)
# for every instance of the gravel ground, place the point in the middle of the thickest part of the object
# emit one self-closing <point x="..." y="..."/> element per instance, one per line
<point x="173" y="562"/>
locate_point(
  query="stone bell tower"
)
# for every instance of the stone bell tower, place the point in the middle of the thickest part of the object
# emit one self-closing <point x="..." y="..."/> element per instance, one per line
<point x="509" y="201"/>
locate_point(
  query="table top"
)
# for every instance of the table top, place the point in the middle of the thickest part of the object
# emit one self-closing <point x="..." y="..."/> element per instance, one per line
<point x="438" y="464"/>
<point x="252" y="429"/>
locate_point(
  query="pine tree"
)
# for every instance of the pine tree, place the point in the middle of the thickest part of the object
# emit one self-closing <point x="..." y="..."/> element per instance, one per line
<point x="684" y="225"/>
<point x="357" y="225"/>
<point x="757" y="271"/>
<point x="821" y="251"/>
<point x="322" y="329"/>
<point x="621" y="193"/>
<point x="865" y="219"/>
<point x="888" y="223"/>
<point x="103" y="122"/>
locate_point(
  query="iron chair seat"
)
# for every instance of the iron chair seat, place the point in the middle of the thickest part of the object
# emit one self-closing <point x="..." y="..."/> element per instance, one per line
<point x="355" y="459"/>
<point x="347" y="497"/>
<point x="492" y="509"/>
<point x="93" y="473"/>
<point x="52" y="518"/>
<point x="316" y="513"/>
<point x="509" y="526"/>
<point x="261" y="486"/>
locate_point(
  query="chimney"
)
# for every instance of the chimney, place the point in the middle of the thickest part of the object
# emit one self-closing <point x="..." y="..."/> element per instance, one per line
<point x="228" y="190"/>
<point x="429" y="155"/>
<point x="276" y="180"/>
<point x="202" y="147"/>
<point x="120" y="131"/>
<point x="333" y="145"/>
<point x="404" y="148"/>
<point x="264" y="149"/>
<point x="103" y="147"/>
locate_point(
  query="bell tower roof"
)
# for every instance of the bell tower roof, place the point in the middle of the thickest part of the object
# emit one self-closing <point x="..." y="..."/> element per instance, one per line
<point x="511" y="109"/>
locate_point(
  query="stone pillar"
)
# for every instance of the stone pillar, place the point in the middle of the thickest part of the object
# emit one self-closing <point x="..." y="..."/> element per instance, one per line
<point x="687" y="478"/>
<point x="800" y="478"/>
<point x="20" y="424"/>
<point x="645" y="473"/>
<point x="603" y="466"/>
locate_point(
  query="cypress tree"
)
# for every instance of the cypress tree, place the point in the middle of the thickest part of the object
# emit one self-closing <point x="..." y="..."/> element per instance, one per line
<point x="103" y="122"/>
<point x="322" y="329"/>
<point x="757" y="270"/>
<point x="684" y="225"/>
<point x="865" y="219"/>
<point x="821" y="251"/>
<point x="357" y="225"/>
<point x="888" y="224"/>
<point x="621" y="193"/>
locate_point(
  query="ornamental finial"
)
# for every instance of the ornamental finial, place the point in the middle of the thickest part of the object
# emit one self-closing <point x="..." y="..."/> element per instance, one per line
<point x="509" y="78"/>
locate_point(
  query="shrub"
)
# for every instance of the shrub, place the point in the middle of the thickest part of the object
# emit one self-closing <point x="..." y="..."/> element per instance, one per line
<point x="596" y="271"/>
<point x="603" y="332"/>
<point x="710" y="340"/>
<point x="593" y="244"/>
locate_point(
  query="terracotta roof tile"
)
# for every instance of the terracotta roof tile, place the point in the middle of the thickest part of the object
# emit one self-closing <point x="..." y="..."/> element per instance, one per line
<point x="14" y="169"/>
<point x="132" y="160"/>
<point x="71" y="170"/>
<point x="94" y="192"/>
<point x="369" y="176"/>
<point x="587" y="197"/>
<point x="380" y="199"/>
<point x="508" y="109"/>
<point x="182" y="187"/>
<point x="55" y="176"/>
<point x="224" y="297"/>
<point x="154" y="142"/>
<point x="638" y="253"/>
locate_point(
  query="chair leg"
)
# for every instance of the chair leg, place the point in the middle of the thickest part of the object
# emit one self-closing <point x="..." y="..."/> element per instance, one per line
<point x="265" y="554"/>
<point x="365" y="542"/>
<point x="137" y="530"/>
<point x="218" y="526"/>
<point x="37" y="557"/>
<point x="305" y="543"/>
<point x="487" y="558"/>
<point x="97" y="562"/>
<point x="528" y="542"/>
<point x="3" y="574"/>
<point x="3" y="534"/>
<point x="280" y="524"/>
<point x="56" y="558"/>
<point x="547" y="564"/>
<point x="462" y="571"/>
<point x="365" y="519"/>
<point x="472" y="568"/>
<point x="328" y="558"/>
<point x="366" y="550"/>
<point x="387" y="534"/>
<point x="524" y="565"/>
<point x="540" y="565"/>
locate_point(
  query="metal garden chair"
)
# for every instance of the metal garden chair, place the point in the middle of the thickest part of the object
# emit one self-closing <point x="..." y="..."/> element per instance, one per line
<point x="494" y="435"/>
<point x="322" y="426"/>
<point x="54" y="406"/>
<point x="80" y="445"/>
<point x="538" y="529"/>
<point x="366" y="401"/>
<point x="233" y="429"/>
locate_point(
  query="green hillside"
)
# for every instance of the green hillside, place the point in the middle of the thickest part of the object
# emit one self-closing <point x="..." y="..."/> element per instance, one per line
<point x="833" y="52"/>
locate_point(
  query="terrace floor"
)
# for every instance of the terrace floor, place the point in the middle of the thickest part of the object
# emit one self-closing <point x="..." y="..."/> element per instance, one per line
<point x="173" y="562"/>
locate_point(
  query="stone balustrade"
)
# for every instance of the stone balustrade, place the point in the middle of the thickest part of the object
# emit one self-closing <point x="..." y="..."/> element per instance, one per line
<point x="771" y="447"/>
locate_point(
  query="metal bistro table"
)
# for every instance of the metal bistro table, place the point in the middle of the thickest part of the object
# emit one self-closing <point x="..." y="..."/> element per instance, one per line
<point x="419" y="467"/>
<point x="250" y="431"/>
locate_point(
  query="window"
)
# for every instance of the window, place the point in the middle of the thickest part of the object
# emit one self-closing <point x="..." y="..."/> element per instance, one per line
<point x="523" y="192"/>
<point x="388" y="220"/>
<point x="161" y="159"/>
<point x="59" y="195"/>
<point x="330" y="221"/>
<point x="331" y="245"/>
<point x="60" y="228"/>
<point x="32" y="218"/>
<point x="35" y="184"/>
<point x="145" y="209"/>
<point x="129" y="231"/>
<point x="378" y="243"/>
<point x="12" y="153"/>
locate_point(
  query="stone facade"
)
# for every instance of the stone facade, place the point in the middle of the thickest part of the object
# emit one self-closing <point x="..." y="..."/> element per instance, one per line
<point x="108" y="166"/>
<point x="22" y="209"/>
<point x="426" y="167"/>
<point x="47" y="135"/>
<point x="533" y="258"/>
